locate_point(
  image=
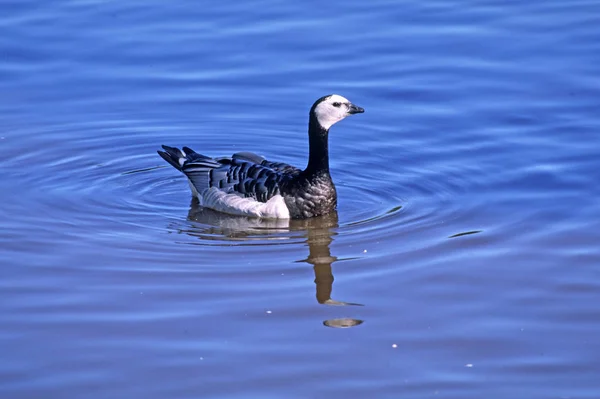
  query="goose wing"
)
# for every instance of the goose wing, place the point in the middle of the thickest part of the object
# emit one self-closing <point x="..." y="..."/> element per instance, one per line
<point x="245" y="178"/>
<point x="260" y="160"/>
<point x="245" y="174"/>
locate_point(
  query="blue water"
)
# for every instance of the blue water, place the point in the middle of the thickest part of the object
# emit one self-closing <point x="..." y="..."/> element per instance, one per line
<point x="464" y="257"/>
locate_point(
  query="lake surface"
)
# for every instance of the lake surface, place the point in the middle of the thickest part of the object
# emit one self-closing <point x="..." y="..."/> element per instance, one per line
<point x="463" y="262"/>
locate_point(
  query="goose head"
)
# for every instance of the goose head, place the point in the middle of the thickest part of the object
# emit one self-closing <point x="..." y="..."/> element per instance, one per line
<point x="332" y="109"/>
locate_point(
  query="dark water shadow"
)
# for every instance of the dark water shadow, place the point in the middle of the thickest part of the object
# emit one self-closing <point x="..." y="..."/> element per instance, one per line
<point x="317" y="233"/>
<point x="466" y="233"/>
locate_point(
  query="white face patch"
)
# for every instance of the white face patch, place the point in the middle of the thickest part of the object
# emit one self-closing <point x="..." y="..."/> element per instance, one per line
<point x="332" y="110"/>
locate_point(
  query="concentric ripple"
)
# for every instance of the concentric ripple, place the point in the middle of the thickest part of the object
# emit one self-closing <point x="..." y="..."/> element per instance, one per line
<point x="99" y="178"/>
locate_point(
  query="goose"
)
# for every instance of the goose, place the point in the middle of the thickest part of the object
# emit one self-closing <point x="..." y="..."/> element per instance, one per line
<point x="248" y="184"/>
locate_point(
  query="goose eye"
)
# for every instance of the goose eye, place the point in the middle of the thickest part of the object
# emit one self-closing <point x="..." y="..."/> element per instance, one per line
<point x="336" y="104"/>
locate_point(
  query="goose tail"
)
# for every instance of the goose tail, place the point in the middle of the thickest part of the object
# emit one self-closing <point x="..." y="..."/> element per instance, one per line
<point x="174" y="156"/>
<point x="196" y="167"/>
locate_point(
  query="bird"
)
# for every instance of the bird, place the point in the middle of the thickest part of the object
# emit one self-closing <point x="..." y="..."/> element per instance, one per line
<point x="247" y="184"/>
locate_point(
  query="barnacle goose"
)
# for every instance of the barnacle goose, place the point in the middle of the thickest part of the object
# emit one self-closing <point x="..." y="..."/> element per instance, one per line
<point x="248" y="184"/>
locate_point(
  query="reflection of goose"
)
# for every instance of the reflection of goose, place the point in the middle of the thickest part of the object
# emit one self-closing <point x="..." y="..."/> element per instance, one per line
<point x="319" y="237"/>
<point x="248" y="184"/>
<point x="318" y="231"/>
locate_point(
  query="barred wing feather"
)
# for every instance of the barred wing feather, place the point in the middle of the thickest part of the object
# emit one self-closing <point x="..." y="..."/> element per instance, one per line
<point x="276" y="166"/>
<point x="234" y="176"/>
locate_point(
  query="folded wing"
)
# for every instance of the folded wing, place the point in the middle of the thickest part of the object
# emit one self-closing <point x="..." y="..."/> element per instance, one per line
<point x="245" y="174"/>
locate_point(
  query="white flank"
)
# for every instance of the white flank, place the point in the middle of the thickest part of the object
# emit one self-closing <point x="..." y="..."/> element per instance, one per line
<point x="233" y="204"/>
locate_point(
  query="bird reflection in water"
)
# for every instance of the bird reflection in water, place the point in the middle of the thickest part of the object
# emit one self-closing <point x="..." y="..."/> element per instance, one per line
<point x="317" y="232"/>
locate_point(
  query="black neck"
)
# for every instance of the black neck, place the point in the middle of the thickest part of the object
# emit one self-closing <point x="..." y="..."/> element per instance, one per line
<point x="318" y="152"/>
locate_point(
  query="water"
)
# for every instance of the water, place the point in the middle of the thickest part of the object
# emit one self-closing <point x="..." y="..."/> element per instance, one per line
<point x="463" y="260"/>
